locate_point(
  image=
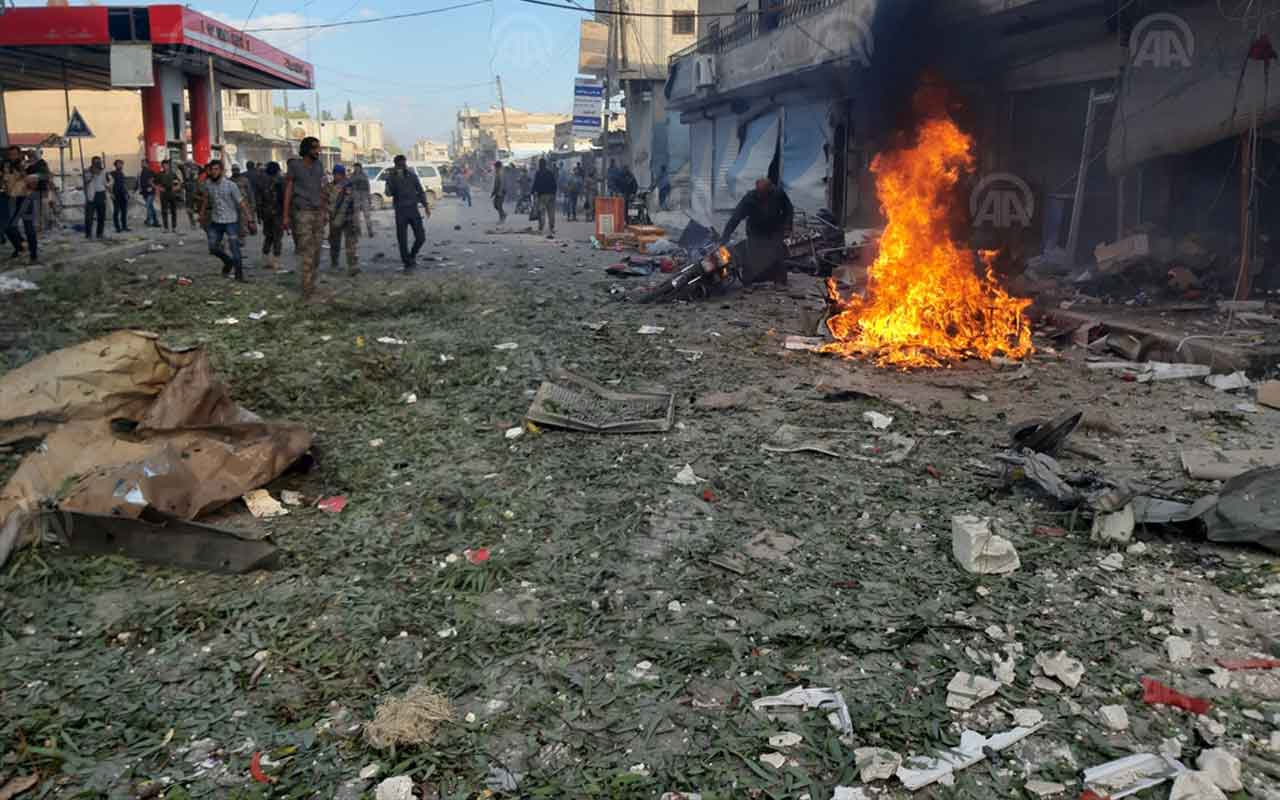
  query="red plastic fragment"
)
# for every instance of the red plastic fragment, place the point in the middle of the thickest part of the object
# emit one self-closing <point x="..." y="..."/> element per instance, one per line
<point x="255" y="768"/>
<point x="1090" y="794"/>
<point x="1156" y="693"/>
<point x="709" y="496"/>
<point x="333" y="505"/>
<point x="1249" y="663"/>
<point x="932" y="470"/>
<point x="477" y="556"/>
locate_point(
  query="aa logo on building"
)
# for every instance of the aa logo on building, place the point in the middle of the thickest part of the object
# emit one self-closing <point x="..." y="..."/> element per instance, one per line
<point x="1162" y="40"/>
<point x="522" y="42"/>
<point x="1002" y="200"/>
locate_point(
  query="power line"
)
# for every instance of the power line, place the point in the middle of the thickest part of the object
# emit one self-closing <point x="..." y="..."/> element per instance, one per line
<point x="652" y="14"/>
<point x="370" y="20"/>
<point x="252" y="9"/>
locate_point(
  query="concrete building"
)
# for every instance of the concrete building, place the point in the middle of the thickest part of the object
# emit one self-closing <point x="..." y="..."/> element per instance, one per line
<point x="427" y="150"/>
<point x="115" y="117"/>
<point x="641" y="47"/>
<point x="484" y="133"/>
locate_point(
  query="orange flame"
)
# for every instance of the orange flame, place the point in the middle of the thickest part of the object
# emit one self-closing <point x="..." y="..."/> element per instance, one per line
<point x="926" y="304"/>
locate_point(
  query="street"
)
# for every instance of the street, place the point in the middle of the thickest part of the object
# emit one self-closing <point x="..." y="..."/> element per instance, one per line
<point x="624" y="615"/>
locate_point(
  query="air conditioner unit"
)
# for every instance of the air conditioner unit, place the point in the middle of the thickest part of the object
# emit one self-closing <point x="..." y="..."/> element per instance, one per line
<point x="704" y="71"/>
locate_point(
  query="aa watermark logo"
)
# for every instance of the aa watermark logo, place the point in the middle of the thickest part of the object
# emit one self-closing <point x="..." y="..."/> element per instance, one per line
<point x="522" y="42"/>
<point x="1002" y="200"/>
<point x="1162" y="40"/>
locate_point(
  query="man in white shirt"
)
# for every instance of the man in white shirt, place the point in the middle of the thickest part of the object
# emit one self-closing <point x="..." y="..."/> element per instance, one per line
<point x="95" y="198"/>
<point x="222" y="207"/>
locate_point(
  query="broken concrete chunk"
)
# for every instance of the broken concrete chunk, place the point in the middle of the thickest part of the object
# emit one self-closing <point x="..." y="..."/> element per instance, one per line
<point x="1117" y="527"/>
<point x="1116" y="718"/>
<point x="1061" y="666"/>
<point x="849" y="793"/>
<point x="1112" y="563"/>
<point x="1044" y="788"/>
<point x="1195" y="786"/>
<point x="1004" y="672"/>
<point x="1269" y="394"/>
<point x="876" y="763"/>
<point x="1177" y="648"/>
<point x="917" y="772"/>
<point x="775" y="760"/>
<point x="398" y="788"/>
<point x="1222" y="768"/>
<point x="1046" y="684"/>
<point x="1027" y="717"/>
<point x="785" y="740"/>
<point x="980" y="551"/>
<point x="967" y="690"/>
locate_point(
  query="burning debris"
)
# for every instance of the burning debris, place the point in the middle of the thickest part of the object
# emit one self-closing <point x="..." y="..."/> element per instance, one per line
<point x="925" y="303"/>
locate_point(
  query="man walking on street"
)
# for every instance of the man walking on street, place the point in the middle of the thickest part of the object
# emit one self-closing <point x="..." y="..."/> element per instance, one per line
<point x="221" y="209"/>
<point x="362" y="193"/>
<point x="343" y="223"/>
<point x="405" y="191"/>
<point x="147" y="188"/>
<point x="572" y="191"/>
<point x="304" y="209"/>
<point x="95" y="199"/>
<point x="170" y="183"/>
<point x="589" y="191"/>
<point x="270" y="197"/>
<point x="191" y="189"/>
<point x="499" y="193"/>
<point x="119" y="197"/>
<point x="544" y="189"/>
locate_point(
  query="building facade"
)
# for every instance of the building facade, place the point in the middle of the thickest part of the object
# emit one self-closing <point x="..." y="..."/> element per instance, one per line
<point x="427" y="150"/>
<point x="639" y="46"/>
<point x="487" y="136"/>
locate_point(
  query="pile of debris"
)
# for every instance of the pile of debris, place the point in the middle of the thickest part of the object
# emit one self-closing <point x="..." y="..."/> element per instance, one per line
<point x="132" y="430"/>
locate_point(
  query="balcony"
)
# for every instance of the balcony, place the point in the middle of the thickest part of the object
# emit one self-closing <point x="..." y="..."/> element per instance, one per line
<point x="785" y="39"/>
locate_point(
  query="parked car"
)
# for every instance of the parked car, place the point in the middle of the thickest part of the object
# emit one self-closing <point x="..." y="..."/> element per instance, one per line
<point x="446" y="176"/>
<point x="432" y="183"/>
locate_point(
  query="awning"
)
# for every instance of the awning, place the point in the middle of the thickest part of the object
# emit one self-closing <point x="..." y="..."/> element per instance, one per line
<point x="804" y="159"/>
<point x="758" y="149"/>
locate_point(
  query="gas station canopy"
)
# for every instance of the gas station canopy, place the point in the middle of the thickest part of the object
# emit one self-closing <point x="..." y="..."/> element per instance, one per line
<point x="53" y="47"/>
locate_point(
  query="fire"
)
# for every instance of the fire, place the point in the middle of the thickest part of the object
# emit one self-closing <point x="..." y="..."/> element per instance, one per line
<point x="926" y="303"/>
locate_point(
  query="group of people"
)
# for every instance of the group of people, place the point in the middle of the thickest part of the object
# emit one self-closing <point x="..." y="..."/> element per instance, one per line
<point x="308" y="202"/>
<point x="24" y="183"/>
<point x="576" y="190"/>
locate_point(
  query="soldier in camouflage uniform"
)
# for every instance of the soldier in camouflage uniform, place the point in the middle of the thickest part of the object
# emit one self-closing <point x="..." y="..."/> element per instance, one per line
<point x="305" y="196"/>
<point x="343" y="221"/>
<point x="270" y="199"/>
<point x="191" y="187"/>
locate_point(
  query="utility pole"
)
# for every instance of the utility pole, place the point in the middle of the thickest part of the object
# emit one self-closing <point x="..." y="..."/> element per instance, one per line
<point x="506" y="132"/>
<point x="603" y="189"/>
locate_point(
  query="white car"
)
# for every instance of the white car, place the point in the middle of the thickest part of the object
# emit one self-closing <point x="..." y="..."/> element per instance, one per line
<point x="429" y="174"/>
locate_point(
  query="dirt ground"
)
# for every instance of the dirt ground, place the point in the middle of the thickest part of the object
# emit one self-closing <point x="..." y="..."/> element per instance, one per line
<point x="612" y="644"/>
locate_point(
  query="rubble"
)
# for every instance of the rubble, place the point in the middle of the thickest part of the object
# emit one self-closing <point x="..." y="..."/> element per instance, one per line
<point x="1222" y="768"/>
<point x="875" y="763"/>
<point x="1113" y="528"/>
<point x="1177" y="648"/>
<point x="918" y="772"/>
<point x="399" y="787"/>
<point x="1045" y="788"/>
<point x="966" y="690"/>
<point x="1195" y="786"/>
<point x="1116" y="718"/>
<point x="1062" y="667"/>
<point x="1131" y="774"/>
<point x="980" y="551"/>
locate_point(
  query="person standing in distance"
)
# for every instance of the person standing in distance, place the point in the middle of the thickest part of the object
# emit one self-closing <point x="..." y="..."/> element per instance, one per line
<point x="499" y="193"/>
<point x="405" y="191"/>
<point x="95" y="199"/>
<point x="305" y="194"/>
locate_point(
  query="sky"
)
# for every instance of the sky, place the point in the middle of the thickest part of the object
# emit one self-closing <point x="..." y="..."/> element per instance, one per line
<point x="414" y="74"/>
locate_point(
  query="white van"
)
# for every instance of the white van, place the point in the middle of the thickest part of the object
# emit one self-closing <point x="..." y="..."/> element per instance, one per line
<point x="428" y="173"/>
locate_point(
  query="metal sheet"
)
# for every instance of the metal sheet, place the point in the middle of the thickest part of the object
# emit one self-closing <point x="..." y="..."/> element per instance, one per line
<point x="173" y="543"/>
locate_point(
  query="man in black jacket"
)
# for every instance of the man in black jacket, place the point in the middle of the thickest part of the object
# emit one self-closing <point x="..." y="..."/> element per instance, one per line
<point x="405" y="191"/>
<point x="544" y="189"/>
<point x="768" y="213"/>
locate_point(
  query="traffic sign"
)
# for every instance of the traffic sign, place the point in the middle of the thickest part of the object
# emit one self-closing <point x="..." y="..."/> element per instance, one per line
<point x="77" y="128"/>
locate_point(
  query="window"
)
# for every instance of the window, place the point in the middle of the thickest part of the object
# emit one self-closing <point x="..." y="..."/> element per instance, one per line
<point x="426" y="172"/>
<point x="242" y="100"/>
<point x="128" y="24"/>
<point x="353" y="131"/>
<point x="682" y="23"/>
<point x="373" y="172"/>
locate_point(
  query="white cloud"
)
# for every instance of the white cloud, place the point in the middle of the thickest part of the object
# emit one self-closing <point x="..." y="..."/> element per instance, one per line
<point x="293" y="42"/>
<point x="366" y="13"/>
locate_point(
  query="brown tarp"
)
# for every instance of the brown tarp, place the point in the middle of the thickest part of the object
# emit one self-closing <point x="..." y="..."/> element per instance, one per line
<point x="130" y="425"/>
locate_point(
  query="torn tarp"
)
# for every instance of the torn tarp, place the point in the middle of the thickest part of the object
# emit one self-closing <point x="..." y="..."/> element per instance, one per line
<point x="167" y="436"/>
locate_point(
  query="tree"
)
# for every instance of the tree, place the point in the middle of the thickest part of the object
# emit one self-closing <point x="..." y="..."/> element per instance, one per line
<point x="326" y="116"/>
<point x="349" y="115"/>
